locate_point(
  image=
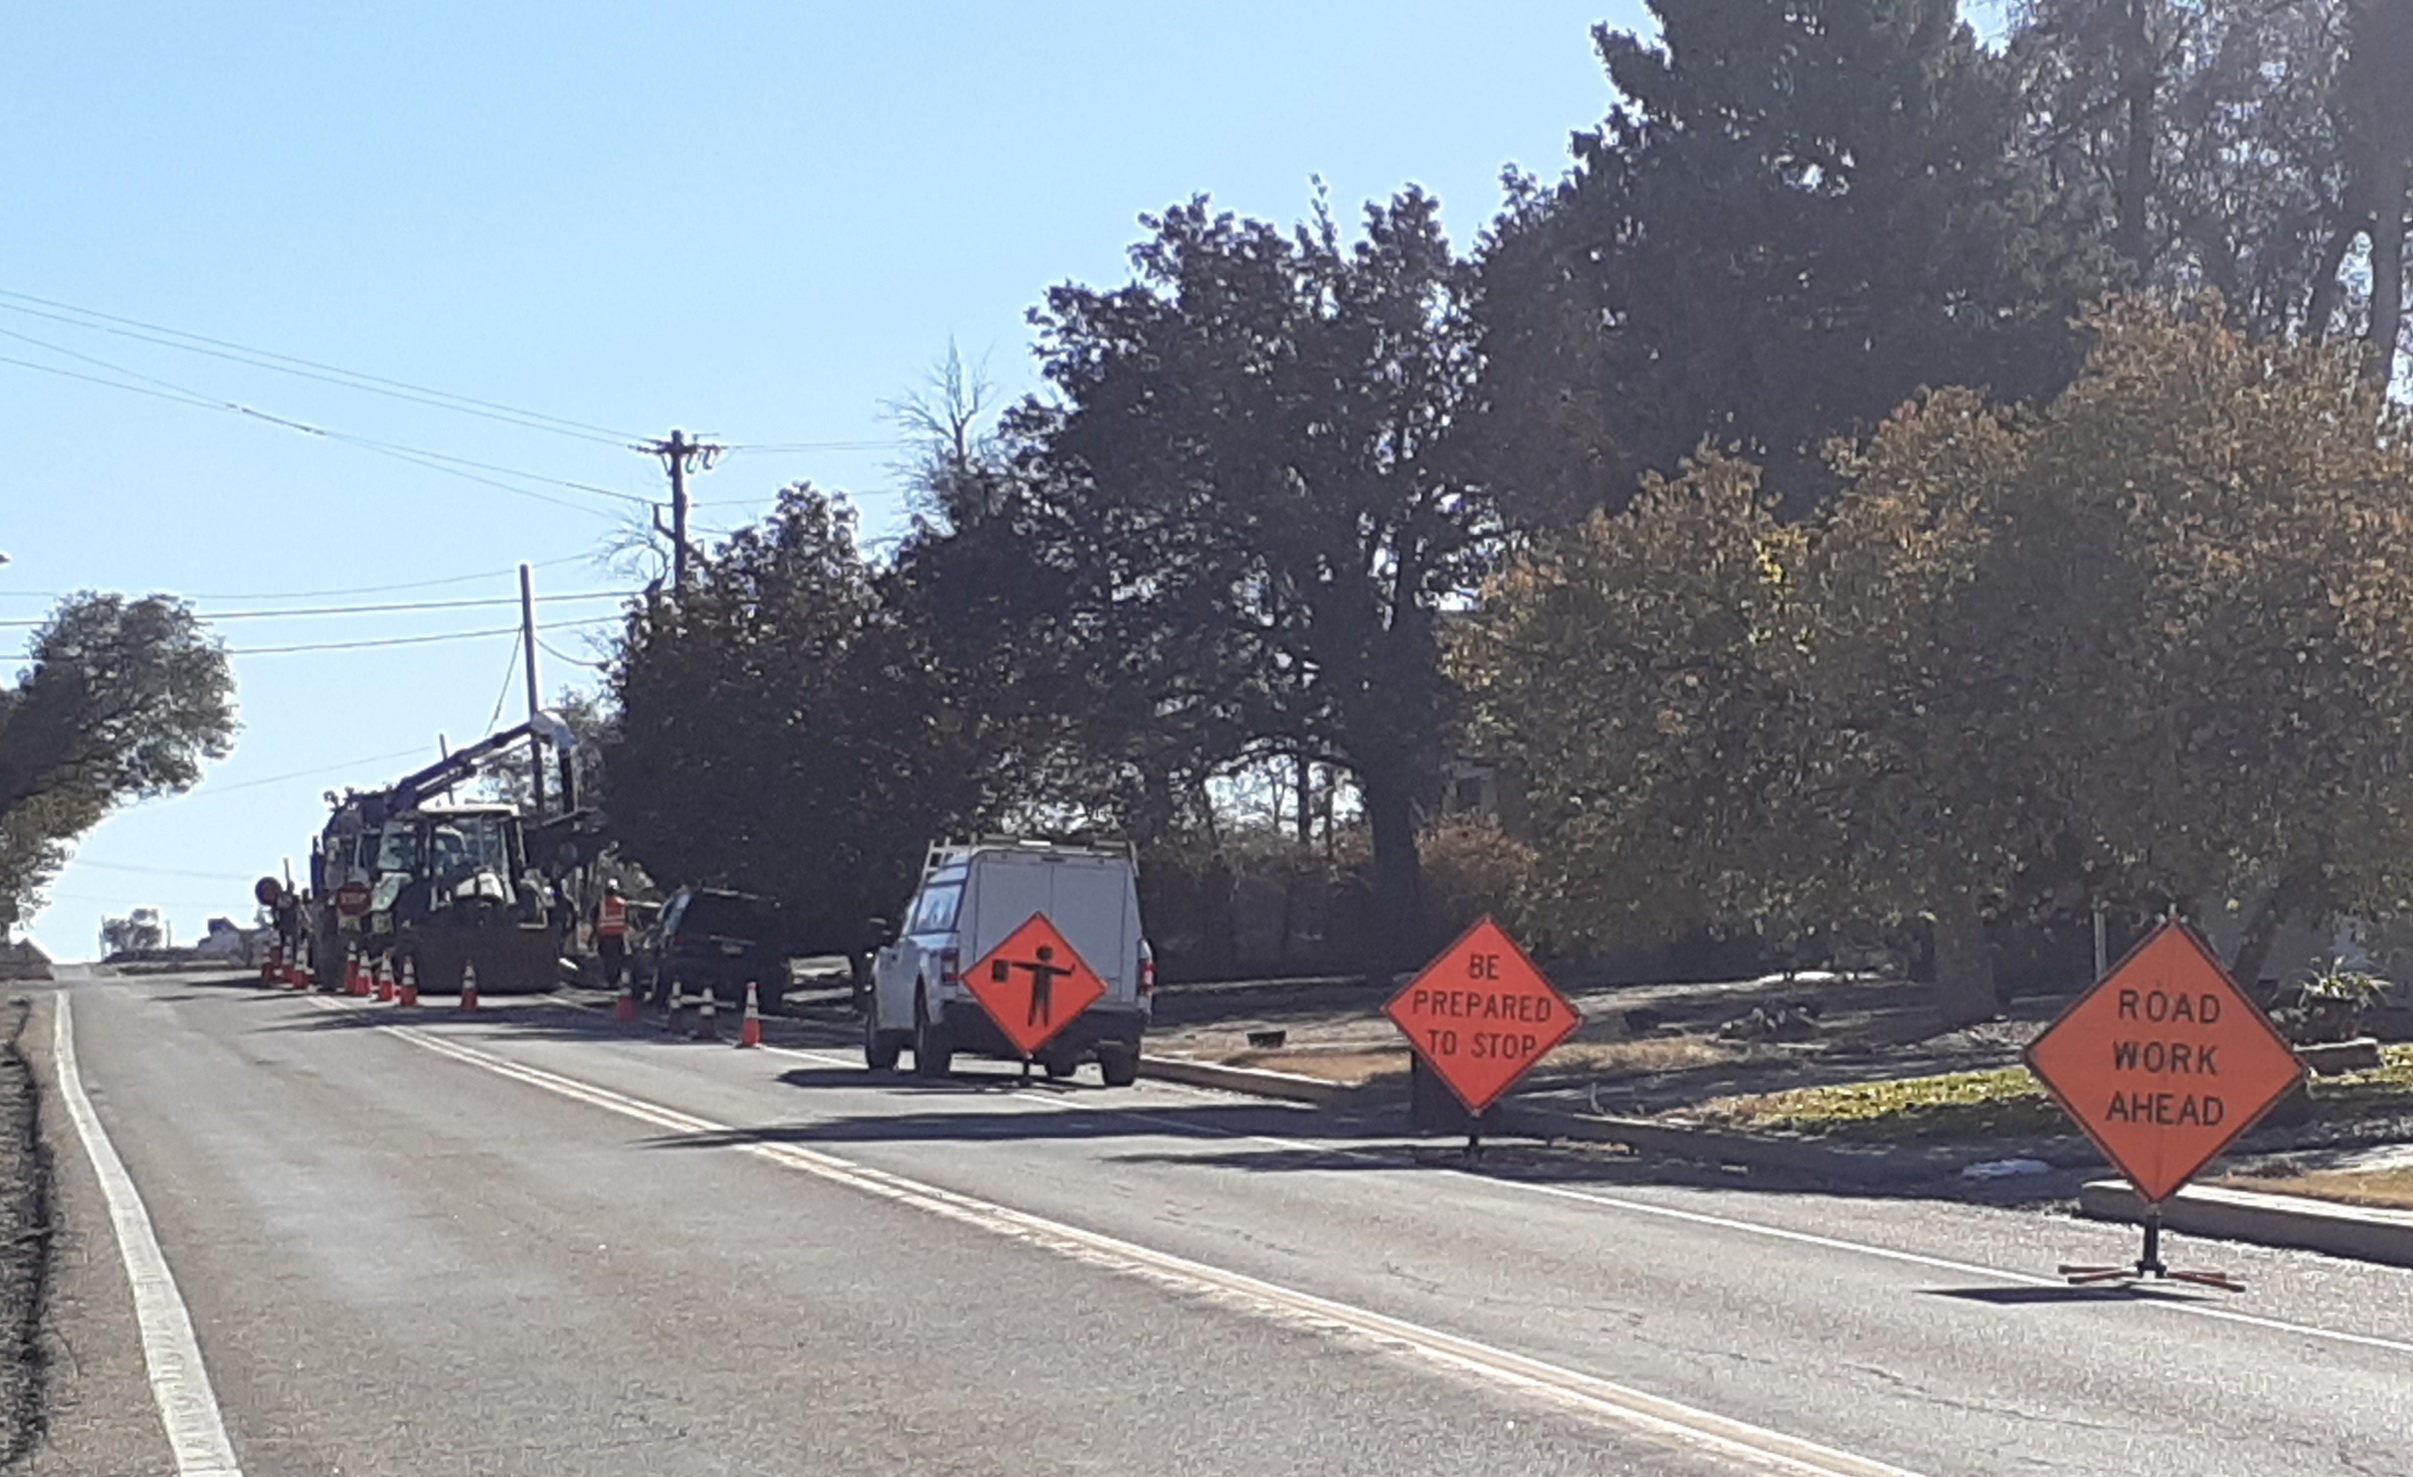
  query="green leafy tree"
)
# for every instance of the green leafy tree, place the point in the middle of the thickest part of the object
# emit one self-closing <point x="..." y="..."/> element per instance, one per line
<point x="781" y="729"/>
<point x="122" y="700"/>
<point x="1798" y="216"/>
<point x="2144" y="640"/>
<point x="1248" y="498"/>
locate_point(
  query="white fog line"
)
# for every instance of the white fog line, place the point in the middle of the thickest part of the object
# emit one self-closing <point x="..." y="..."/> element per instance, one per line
<point x="187" y="1407"/>
<point x="1756" y="1448"/>
<point x="1709" y="1219"/>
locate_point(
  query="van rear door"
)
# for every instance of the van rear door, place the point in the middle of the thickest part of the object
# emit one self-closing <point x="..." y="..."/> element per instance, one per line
<point x="1090" y="899"/>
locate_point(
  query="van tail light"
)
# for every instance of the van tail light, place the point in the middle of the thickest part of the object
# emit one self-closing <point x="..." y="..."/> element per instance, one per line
<point x="1147" y="970"/>
<point x="950" y="966"/>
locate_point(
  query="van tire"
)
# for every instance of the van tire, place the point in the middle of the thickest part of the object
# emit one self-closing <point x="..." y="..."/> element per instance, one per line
<point x="880" y="1048"/>
<point x="933" y="1055"/>
<point x="1060" y="1065"/>
<point x="1118" y="1062"/>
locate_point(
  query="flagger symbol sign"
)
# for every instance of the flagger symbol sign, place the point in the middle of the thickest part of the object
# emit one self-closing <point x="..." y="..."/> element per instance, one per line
<point x="1033" y="984"/>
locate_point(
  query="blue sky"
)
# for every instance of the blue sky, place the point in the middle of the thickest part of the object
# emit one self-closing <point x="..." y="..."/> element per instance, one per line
<point x="760" y="221"/>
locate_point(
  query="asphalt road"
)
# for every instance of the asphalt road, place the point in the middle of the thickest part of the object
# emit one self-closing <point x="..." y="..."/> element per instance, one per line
<point x="529" y="1241"/>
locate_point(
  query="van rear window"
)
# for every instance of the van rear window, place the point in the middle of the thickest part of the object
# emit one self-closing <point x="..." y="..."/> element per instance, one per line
<point x="936" y="911"/>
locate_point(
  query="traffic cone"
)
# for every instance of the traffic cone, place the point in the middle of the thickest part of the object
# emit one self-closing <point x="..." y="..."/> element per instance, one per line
<point x="678" y="1003"/>
<point x="356" y="979"/>
<point x="272" y="965"/>
<point x="707" y="1020"/>
<point x="749" y="1030"/>
<point x="295" y="974"/>
<point x="409" y="990"/>
<point x="624" y="1009"/>
<point x="469" y="987"/>
<point x="383" y="969"/>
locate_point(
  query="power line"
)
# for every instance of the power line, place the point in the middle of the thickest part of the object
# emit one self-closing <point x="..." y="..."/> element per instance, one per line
<point x="299" y="774"/>
<point x="158" y="871"/>
<point x="456" y="579"/>
<point x="407" y="605"/>
<point x="402" y="640"/>
<point x="195" y="343"/>
<point x="435" y="461"/>
<point x="558" y="655"/>
<point x="510" y="670"/>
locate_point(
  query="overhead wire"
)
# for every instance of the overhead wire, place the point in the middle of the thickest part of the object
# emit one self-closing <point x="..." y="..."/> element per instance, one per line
<point x="292" y="364"/>
<point x="456" y="579"/>
<point x="400" y="640"/>
<point x="384" y="609"/>
<point x="436" y="461"/>
<point x="510" y="670"/>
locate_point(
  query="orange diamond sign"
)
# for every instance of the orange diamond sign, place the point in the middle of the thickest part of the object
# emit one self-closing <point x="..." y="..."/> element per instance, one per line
<point x="2164" y="1062"/>
<point x="1481" y="1015"/>
<point x="1033" y="984"/>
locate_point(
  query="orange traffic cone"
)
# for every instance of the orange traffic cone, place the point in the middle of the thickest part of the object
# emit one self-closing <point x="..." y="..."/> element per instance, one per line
<point x="410" y="981"/>
<point x="356" y="979"/>
<point x="383" y="970"/>
<point x="296" y="974"/>
<point x="707" y="1019"/>
<point x="625" y="1008"/>
<point x="749" y="1030"/>
<point x="272" y="965"/>
<point x="469" y="987"/>
<point x="678" y="1004"/>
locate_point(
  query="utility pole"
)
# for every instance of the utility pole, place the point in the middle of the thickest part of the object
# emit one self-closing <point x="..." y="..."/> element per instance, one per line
<point x="679" y="457"/>
<point x="527" y="641"/>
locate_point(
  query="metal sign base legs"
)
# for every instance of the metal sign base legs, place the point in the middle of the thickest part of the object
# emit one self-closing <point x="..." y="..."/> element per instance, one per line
<point x="2149" y="1266"/>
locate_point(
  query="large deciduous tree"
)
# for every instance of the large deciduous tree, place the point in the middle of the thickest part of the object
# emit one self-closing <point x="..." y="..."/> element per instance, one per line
<point x="1798" y="215"/>
<point x="2148" y="638"/>
<point x="1249" y="485"/>
<point x="121" y="700"/>
<point x="781" y="729"/>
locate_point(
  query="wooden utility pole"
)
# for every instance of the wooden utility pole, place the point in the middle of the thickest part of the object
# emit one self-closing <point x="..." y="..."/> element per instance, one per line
<point x="679" y="457"/>
<point x="527" y="641"/>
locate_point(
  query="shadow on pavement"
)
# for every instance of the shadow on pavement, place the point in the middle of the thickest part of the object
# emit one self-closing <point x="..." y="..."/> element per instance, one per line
<point x="1366" y="1132"/>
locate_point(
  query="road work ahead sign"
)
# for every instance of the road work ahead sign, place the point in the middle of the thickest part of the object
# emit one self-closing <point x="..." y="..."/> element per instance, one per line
<point x="2164" y="1062"/>
<point x="1033" y="984"/>
<point x="1481" y="1015"/>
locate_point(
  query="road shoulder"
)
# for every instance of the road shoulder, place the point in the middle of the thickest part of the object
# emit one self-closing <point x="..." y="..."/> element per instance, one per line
<point x="101" y="1416"/>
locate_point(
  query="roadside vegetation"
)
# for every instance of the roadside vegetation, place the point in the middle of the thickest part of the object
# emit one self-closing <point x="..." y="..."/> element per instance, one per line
<point x="1889" y="492"/>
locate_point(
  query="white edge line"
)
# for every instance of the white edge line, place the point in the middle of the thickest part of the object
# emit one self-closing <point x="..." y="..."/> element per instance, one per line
<point x="188" y="1408"/>
<point x="1635" y="1410"/>
<point x="1697" y="1217"/>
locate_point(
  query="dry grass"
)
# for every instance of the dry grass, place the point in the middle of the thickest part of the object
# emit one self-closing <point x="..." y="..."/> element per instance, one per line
<point x="1331" y="1064"/>
<point x="2385" y="1189"/>
<point x="1355" y="1062"/>
<point x="1640" y="1057"/>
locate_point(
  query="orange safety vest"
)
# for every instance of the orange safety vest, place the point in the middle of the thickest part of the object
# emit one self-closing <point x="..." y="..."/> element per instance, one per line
<point x="611" y="919"/>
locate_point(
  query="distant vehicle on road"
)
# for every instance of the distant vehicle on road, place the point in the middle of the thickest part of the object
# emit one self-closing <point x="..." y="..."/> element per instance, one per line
<point x="972" y="895"/>
<point x="708" y="940"/>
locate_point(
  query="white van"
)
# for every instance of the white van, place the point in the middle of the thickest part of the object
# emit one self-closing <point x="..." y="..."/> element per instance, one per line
<point x="972" y="895"/>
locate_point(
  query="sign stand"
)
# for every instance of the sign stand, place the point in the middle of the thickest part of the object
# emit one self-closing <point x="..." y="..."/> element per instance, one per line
<point x="2149" y="1266"/>
<point x="1477" y="1018"/>
<point x="2164" y="1063"/>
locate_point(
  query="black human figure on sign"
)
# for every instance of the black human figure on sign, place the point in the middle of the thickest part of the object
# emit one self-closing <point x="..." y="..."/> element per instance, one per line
<point x="1043" y="983"/>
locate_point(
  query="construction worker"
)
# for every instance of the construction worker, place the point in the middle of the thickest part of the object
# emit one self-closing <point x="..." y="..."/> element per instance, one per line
<point x="611" y="934"/>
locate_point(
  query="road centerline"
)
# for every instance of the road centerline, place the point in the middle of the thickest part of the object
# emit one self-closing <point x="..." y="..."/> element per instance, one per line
<point x="1638" y="1412"/>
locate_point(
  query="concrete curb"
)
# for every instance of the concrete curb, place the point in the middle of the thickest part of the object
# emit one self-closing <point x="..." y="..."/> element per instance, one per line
<point x="1712" y="1146"/>
<point x="1289" y="1087"/>
<point x="2361" y="1232"/>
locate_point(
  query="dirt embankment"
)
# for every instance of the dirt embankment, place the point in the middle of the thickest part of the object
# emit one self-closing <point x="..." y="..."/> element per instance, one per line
<point x="26" y="1228"/>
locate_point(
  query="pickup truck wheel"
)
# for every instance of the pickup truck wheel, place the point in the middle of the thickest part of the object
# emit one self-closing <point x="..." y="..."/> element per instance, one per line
<point x="1118" y="1062"/>
<point x="880" y="1048"/>
<point x="933" y="1056"/>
